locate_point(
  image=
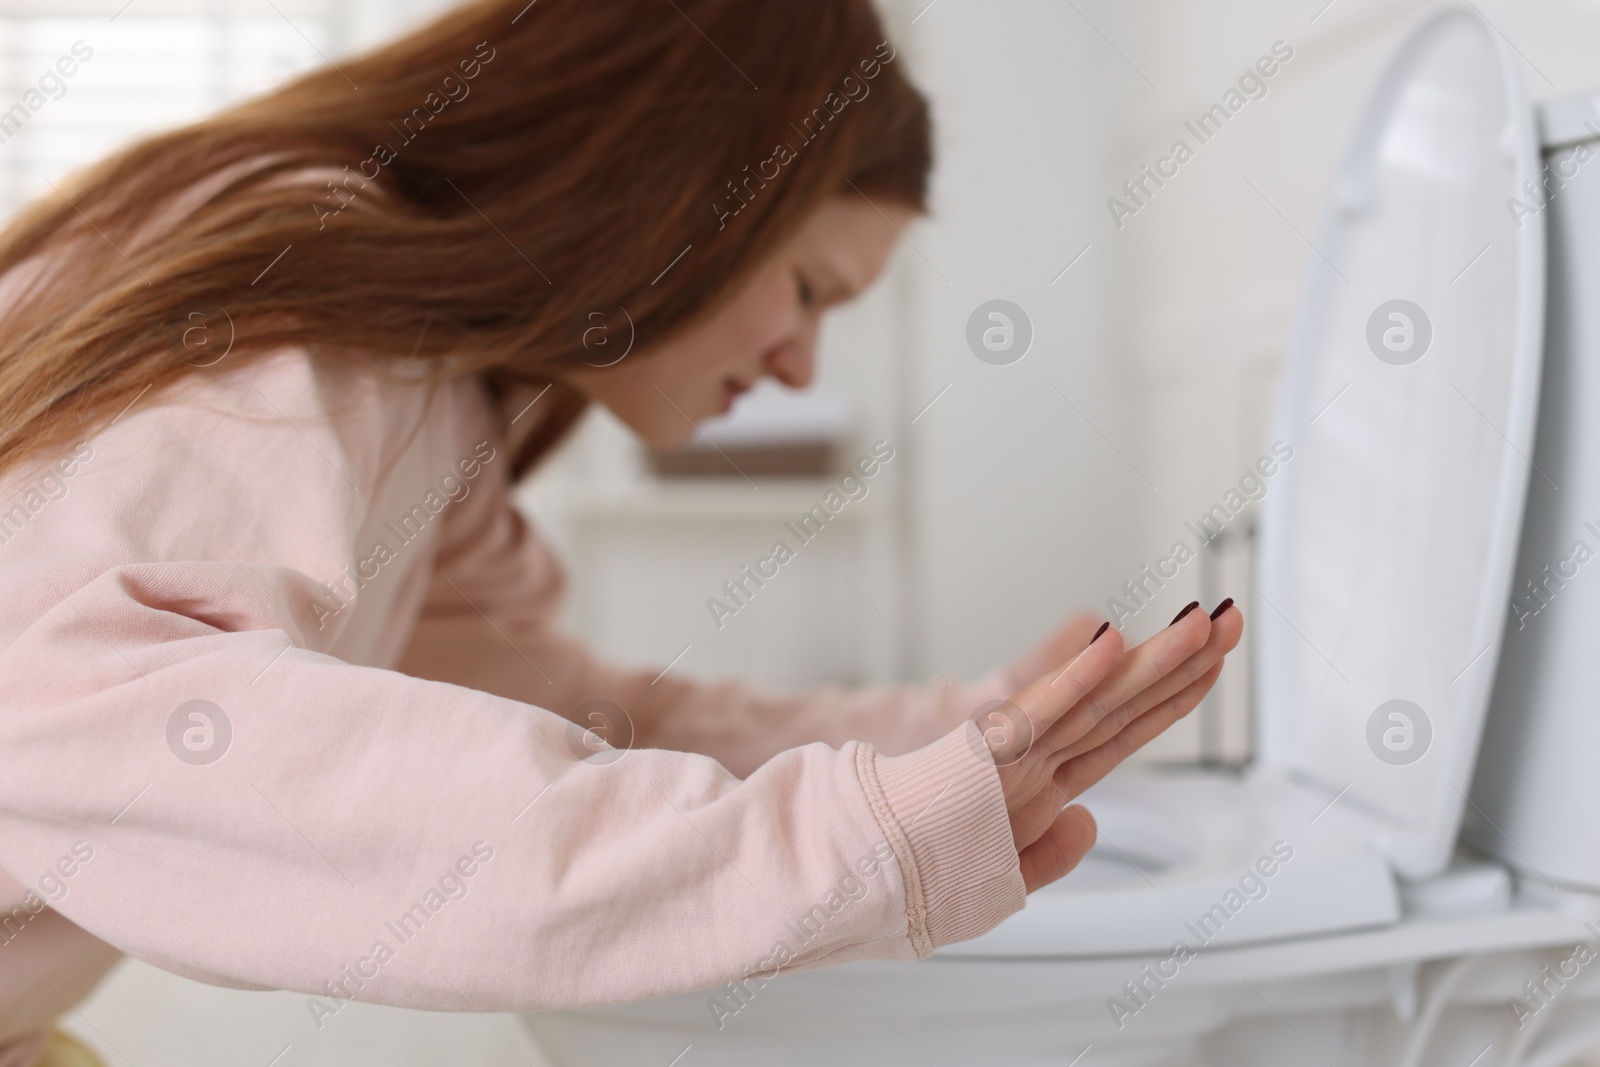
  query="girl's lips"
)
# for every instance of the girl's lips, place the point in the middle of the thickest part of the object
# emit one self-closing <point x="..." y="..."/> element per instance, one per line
<point x="731" y="391"/>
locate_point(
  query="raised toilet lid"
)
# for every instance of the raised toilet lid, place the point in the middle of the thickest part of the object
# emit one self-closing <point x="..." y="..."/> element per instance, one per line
<point x="1387" y="545"/>
<point x="1409" y="397"/>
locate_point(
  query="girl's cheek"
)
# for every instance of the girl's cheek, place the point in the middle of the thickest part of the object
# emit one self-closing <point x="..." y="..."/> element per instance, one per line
<point x="775" y="318"/>
<point x="764" y="315"/>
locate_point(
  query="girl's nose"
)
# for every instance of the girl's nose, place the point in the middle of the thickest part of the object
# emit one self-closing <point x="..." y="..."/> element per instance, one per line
<point x="792" y="362"/>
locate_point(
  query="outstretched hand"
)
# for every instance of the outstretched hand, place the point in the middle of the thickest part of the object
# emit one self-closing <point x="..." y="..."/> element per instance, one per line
<point x="1068" y="727"/>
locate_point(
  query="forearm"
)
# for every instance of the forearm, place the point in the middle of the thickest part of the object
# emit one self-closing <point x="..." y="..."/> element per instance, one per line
<point x="740" y="725"/>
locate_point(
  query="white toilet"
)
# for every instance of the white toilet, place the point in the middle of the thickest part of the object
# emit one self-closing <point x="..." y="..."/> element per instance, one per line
<point x="1318" y="909"/>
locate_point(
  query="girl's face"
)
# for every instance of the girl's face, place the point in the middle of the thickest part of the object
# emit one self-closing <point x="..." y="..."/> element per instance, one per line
<point x="769" y="327"/>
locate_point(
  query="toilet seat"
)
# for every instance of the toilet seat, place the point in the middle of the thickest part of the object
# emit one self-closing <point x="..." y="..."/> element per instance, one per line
<point x="1174" y="848"/>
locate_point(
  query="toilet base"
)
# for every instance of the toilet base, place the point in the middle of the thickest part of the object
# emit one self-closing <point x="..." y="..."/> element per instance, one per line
<point x="1446" y="1013"/>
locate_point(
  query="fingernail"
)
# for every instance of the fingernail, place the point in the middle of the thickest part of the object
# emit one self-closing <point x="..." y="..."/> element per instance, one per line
<point x="1224" y="606"/>
<point x="1103" y="628"/>
<point x="1192" y="605"/>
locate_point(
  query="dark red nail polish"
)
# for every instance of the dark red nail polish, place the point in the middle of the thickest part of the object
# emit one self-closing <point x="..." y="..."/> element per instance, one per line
<point x="1192" y="605"/>
<point x="1224" y="606"/>
<point x="1103" y="628"/>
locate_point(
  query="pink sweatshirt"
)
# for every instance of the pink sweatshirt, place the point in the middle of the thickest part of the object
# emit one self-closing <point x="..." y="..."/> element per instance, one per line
<point x="283" y="704"/>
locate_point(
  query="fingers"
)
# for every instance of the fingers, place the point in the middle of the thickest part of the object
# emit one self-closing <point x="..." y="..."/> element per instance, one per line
<point x="1225" y="633"/>
<point x="1054" y="693"/>
<point x="1137" y="671"/>
<point x="1072" y="637"/>
<point x="1011" y="730"/>
<point x="1061" y="848"/>
<point x="1063" y="643"/>
<point x="1031" y="818"/>
<point x="1069" y="728"/>
<point x="1077" y="774"/>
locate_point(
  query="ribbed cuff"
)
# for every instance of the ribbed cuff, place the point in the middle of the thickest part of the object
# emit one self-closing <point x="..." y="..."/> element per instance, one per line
<point x="944" y="815"/>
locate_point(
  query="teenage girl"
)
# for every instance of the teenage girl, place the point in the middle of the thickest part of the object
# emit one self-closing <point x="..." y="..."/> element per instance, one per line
<point x="283" y="700"/>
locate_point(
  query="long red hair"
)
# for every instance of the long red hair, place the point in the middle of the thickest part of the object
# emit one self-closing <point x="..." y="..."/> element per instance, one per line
<point x="502" y="173"/>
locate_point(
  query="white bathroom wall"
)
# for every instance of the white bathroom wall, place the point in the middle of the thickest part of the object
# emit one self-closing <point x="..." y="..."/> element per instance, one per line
<point x="1023" y="486"/>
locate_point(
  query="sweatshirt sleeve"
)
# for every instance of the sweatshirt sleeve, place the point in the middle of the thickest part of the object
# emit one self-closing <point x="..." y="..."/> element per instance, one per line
<point x="239" y="804"/>
<point x="490" y="621"/>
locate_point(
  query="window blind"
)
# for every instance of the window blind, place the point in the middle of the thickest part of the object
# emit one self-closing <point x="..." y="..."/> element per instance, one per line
<point x="79" y="78"/>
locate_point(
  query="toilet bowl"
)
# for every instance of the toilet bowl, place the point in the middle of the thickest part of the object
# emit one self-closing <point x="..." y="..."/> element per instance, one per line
<point x="1321" y="907"/>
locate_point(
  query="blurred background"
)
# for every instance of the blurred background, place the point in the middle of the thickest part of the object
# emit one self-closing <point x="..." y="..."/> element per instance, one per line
<point x="1017" y="493"/>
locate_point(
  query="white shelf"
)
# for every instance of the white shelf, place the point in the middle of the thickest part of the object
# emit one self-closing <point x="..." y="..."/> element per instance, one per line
<point x="778" y="499"/>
